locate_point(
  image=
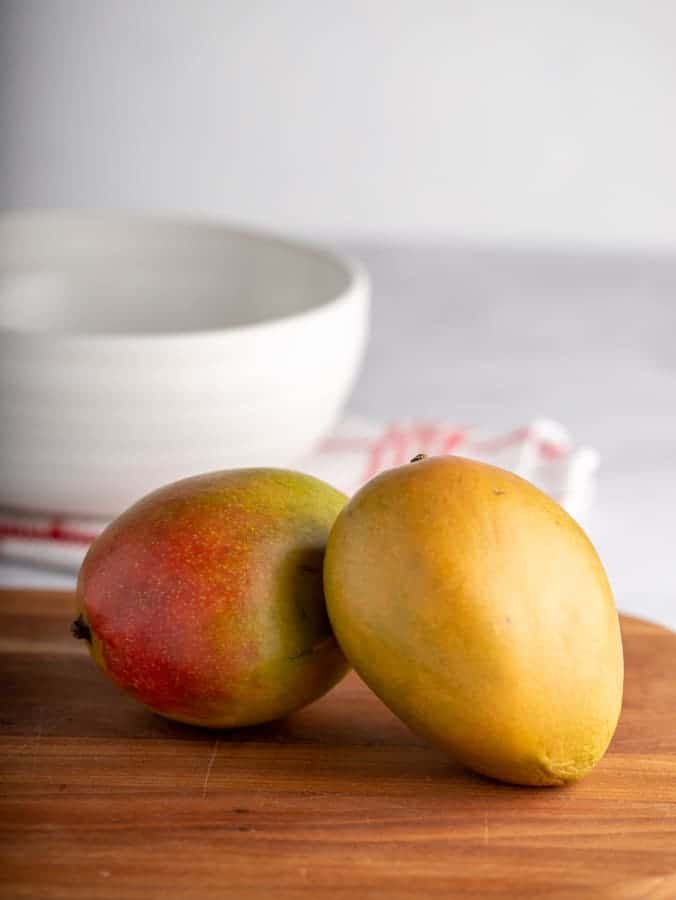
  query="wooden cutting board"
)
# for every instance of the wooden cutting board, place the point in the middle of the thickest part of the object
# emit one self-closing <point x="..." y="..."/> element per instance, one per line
<point x="101" y="799"/>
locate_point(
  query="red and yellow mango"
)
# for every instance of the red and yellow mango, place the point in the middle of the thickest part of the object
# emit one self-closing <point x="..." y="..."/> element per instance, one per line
<point x="205" y="601"/>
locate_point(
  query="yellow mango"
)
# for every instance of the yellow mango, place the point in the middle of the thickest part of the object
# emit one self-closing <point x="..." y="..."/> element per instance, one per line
<point x="478" y="610"/>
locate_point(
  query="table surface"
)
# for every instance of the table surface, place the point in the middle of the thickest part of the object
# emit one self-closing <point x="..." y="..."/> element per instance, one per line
<point x="497" y="336"/>
<point x="101" y="799"/>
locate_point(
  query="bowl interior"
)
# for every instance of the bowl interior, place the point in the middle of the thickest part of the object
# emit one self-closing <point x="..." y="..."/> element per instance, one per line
<point x="84" y="273"/>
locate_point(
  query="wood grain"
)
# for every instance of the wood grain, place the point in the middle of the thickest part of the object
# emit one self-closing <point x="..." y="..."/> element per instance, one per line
<point x="101" y="799"/>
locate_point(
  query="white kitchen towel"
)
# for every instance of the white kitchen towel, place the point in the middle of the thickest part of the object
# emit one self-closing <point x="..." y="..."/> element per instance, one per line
<point x="542" y="451"/>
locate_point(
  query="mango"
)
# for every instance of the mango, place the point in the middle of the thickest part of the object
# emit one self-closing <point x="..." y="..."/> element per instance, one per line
<point x="205" y="602"/>
<point x="479" y="612"/>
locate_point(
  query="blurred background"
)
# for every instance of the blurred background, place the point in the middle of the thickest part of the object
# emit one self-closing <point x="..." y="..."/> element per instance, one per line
<point x="520" y="121"/>
<point x="505" y="172"/>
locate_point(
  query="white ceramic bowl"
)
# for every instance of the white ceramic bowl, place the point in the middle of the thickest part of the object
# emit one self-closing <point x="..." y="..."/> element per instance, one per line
<point x="135" y="351"/>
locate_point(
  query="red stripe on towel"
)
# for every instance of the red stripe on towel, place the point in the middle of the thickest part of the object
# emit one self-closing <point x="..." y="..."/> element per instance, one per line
<point x="52" y="532"/>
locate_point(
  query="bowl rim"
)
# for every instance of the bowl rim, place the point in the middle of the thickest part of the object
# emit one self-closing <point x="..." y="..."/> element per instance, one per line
<point x="358" y="280"/>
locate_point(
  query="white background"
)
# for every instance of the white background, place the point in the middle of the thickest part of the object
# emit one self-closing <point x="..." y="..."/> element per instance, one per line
<point x="494" y="119"/>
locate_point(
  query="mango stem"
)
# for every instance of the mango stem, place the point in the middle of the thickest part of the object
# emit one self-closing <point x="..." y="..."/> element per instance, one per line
<point x="80" y="630"/>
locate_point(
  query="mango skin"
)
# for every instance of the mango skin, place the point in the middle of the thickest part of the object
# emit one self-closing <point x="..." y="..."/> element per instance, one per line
<point x="477" y="609"/>
<point x="205" y="599"/>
